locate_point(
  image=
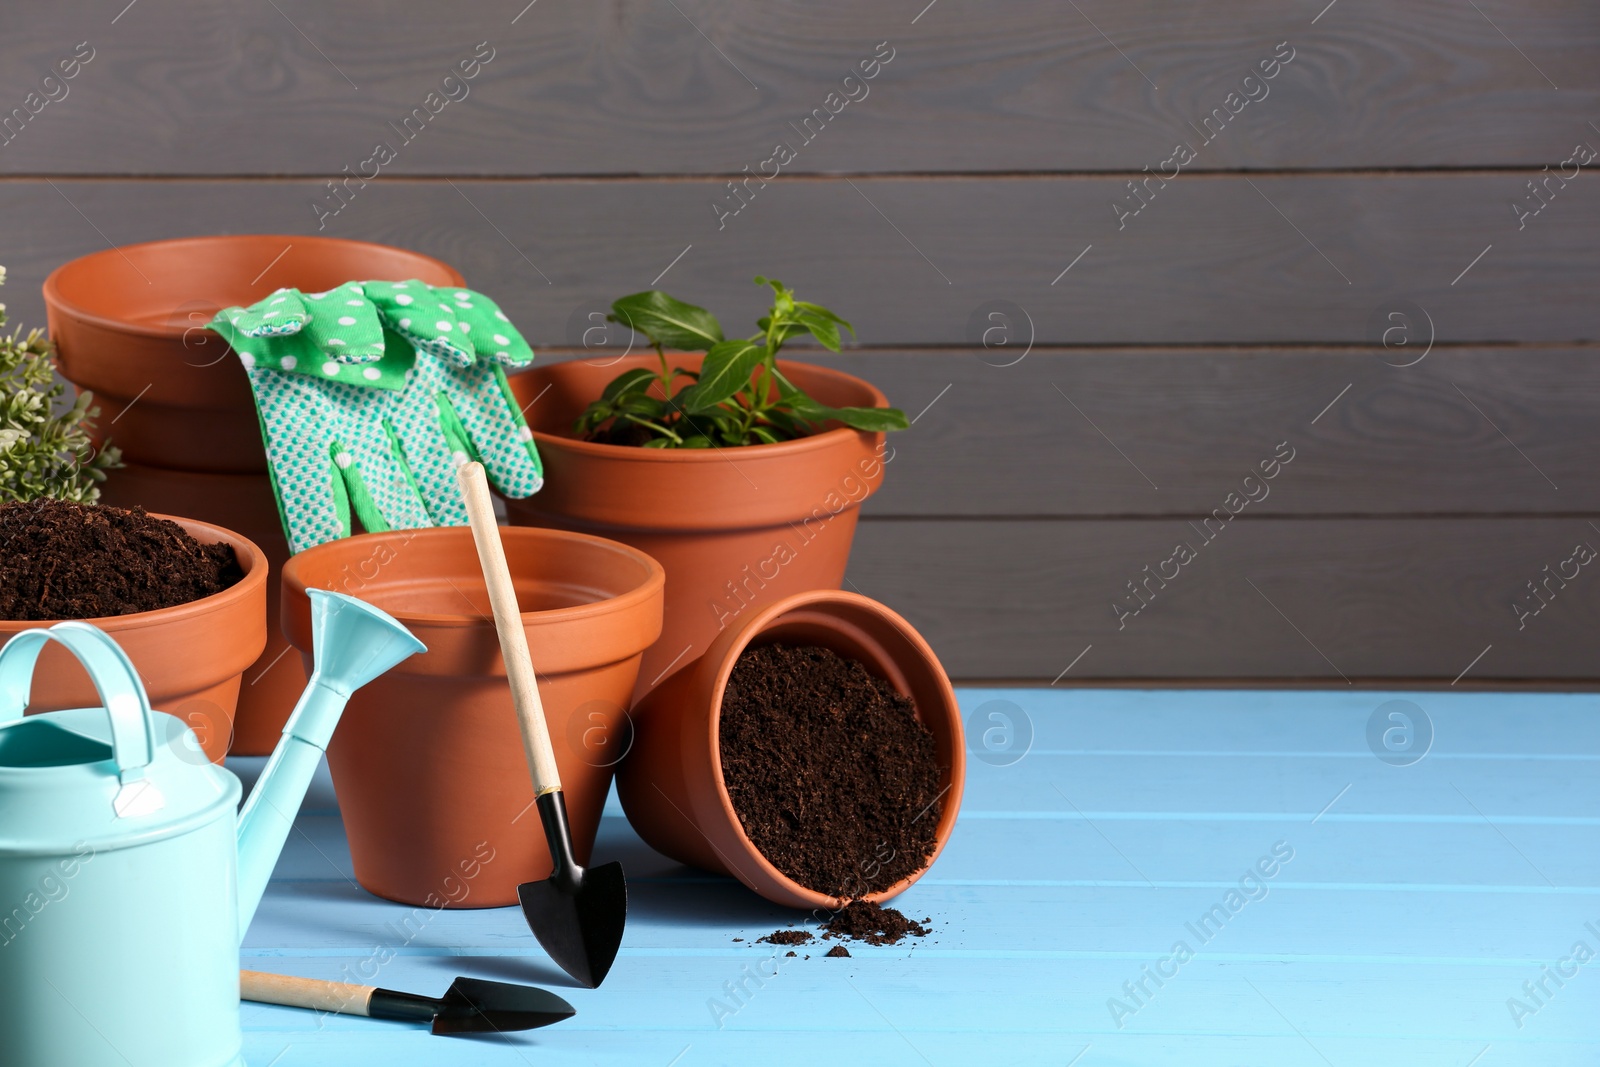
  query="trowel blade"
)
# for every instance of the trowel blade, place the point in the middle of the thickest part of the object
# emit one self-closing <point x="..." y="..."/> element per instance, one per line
<point x="581" y="928"/>
<point x="474" y="1006"/>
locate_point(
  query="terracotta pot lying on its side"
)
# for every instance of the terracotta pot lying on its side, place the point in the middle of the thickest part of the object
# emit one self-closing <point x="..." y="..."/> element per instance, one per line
<point x="190" y="657"/>
<point x="736" y="528"/>
<point x="129" y="323"/>
<point x="671" y="783"/>
<point x="242" y="502"/>
<point x="428" y="760"/>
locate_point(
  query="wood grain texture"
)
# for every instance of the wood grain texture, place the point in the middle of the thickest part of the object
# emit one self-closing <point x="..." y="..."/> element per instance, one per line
<point x="1218" y="259"/>
<point x="1413" y="901"/>
<point x="590" y="157"/>
<point x="1332" y="598"/>
<point x="502" y="592"/>
<point x="267" y="988"/>
<point x="1171" y="431"/>
<point x="629" y="87"/>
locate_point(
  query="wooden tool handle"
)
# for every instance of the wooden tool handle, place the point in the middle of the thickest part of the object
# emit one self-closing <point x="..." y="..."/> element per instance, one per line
<point x="340" y="997"/>
<point x="508" y="622"/>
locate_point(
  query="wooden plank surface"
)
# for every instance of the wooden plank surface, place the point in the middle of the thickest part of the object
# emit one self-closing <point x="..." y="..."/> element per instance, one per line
<point x="1085" y="432"/>
<point x="1222" y="259"/>
<point x="1266" y="598"/>
<point x="1241" y="306"/>
<point x="1417" y="899"/>
<point x="629" y="87"/>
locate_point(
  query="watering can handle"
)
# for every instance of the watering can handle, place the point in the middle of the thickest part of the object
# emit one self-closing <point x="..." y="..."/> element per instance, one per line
<point x="133" y="739"/>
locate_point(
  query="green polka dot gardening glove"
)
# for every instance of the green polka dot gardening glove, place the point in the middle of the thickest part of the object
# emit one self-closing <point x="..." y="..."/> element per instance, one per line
<point x="369" y="395"/>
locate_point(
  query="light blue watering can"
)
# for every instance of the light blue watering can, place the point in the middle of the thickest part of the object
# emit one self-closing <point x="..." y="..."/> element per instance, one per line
<point x="123" y="895"/>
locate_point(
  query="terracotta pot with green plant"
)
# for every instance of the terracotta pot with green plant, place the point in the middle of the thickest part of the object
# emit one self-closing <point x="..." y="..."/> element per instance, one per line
<point x="130" y="324"/>
<point x="743" y="474"/>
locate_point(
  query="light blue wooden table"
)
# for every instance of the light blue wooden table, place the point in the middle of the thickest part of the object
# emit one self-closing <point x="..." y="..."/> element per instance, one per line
<point x="1422" y="893"/>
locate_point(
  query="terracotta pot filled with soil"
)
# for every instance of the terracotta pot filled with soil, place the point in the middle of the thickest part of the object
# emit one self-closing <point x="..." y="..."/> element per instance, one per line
<point x="428" y="760"/>
<point x="242" y="502"/>
<point x="129" y="323"/>
<point x="186" y="601"/>
<point x="736" y="529"/>
<point x="814" y="753"/>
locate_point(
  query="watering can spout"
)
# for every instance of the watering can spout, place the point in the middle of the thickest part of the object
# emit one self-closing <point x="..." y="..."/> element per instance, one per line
<point x="352" y="643"/>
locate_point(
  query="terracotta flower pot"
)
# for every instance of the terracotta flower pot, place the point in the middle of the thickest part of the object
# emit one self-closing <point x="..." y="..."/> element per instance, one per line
<point x="428" y="761"/>
<point x="129" y="323"/>
<point x="736" y="529"/>
<point x="671" y="783"/>
<point x="242" y="502"/>
<point x="190" y="657"/>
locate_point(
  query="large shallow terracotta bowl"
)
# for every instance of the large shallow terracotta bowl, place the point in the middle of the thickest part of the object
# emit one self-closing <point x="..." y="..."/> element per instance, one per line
<point x="129" y="323"/>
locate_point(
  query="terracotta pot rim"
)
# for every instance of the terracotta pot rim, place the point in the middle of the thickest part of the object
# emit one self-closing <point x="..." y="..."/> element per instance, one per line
<point x="757" y="625"/>
<point x="52" y="283"/>
<point x="814" y="442"/>
<point x="251" y="559"/>
<point x="638" y="595"/>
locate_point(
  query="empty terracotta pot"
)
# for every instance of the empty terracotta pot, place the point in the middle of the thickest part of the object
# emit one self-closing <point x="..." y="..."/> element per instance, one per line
<point x="242" y="502"/>
<point x="190" y="657"/>
<point x="129" y="323"/>
<point x="671" y="783"/>
<point x="428" y="760"/>
<point x="736" y="528"/>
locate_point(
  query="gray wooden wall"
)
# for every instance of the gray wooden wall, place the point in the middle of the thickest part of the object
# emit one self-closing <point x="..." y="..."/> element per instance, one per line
<point x="1339" y="267"/>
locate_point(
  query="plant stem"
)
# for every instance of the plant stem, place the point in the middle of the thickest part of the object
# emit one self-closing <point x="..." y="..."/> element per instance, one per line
<point x="654" y="426"/>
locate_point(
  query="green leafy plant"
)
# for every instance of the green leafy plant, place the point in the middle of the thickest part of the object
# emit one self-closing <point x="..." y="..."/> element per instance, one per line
<point x="738" y="397"/>
<point x="44" y="452"/>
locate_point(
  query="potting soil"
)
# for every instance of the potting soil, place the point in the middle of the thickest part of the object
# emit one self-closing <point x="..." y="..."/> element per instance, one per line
<point x="60" y="560"/>
<point x="862" y="920"/>
<point x="833" y="778"/>
<point x="786" y="937"/>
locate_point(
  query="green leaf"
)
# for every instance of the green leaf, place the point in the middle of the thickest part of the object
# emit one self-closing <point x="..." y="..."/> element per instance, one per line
<point x="823" y="329"/>
<point x="790" y="425"/>
<point x="818" y="309"/>
<point x="699" y="440"/>
<point x="634" y="381"/>
<point x="667" y="321"/>
<point x="764" y="435"/>
<point x="593" y="416"/>
<point x="725" y="370"/>
<point x="780" y="292"/>
<point x="870" y="419"/>
<point x="638" y="404"/>
<point x="658" y="442"/>
<point x="787" y="390"/>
